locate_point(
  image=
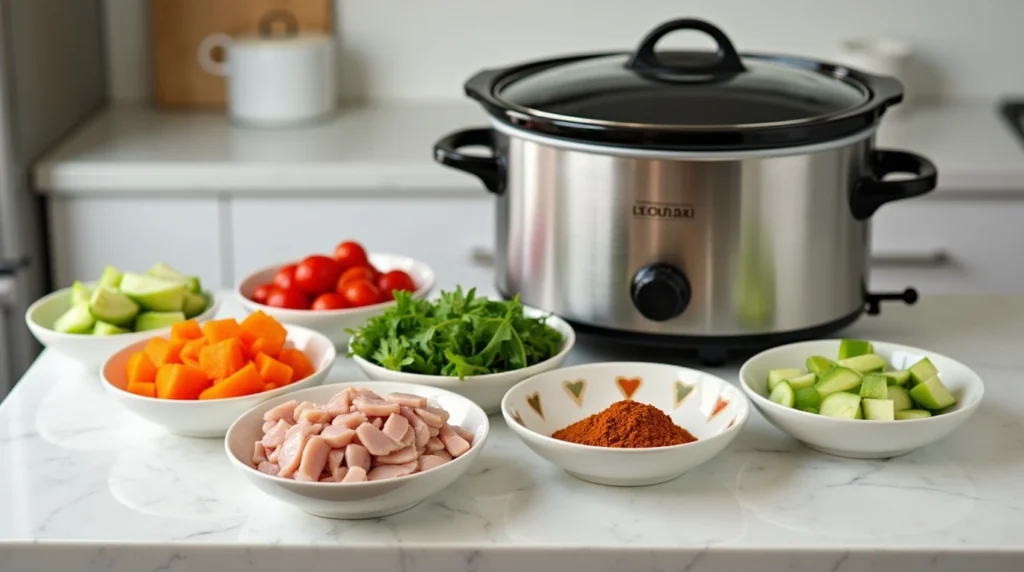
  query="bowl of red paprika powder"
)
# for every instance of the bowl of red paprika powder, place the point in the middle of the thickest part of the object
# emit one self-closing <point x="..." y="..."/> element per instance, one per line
<point x="626" y="423"/>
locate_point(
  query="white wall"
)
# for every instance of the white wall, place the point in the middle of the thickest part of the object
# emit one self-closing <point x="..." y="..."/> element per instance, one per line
<point x="426" y="48"/>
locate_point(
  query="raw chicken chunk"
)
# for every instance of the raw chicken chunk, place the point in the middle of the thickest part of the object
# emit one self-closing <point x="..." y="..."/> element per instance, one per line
<point x="275" y="436"/>
<point x="422" y="431"/>
<point x="259" y="455"/>
<point x="354" y="475"/>
<point x="337" y="437"/>
<point x="315" y="414"/>
<point x="432" y="416"/>
<point x="396" y="426"/>
<point x="375" y="441"/>
<point x="357" y="456"/>
<point x="334" y="462"/>
<point x="284" y="411"/>
<point x="434" y="444"/>
<point x="399" y="457"/>
<point x="464" y="433"/>
<point x="409" y="438"/>
<point x="314" y="459"/>
<point x="427" y="462"/>
<point x="452" y="442"/>
<point x="268" y="468"/>
<point x="383" y="472"/>
<point x="375" y="407"/>
<point x="350" y="420"/>
<point x="407" y="399"/>
<point x="340" y="404"/>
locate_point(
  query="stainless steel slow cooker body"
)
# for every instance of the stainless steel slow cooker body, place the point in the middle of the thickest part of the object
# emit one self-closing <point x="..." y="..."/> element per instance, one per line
<point x="714" y="236"/>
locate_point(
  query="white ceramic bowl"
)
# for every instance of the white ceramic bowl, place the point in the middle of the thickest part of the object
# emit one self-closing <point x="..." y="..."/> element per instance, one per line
<point x="333" y="323"/>
<point x="372" y="499"/>
<point x="484" y="390"/>
<point x="861" y="439"/>
<point x="211" y="418"/>
<point x="710" y="408"/>
<point x="92" y="351"/>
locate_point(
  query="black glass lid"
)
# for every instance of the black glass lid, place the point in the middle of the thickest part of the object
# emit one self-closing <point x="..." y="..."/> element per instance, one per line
<point x="686" y="99"/>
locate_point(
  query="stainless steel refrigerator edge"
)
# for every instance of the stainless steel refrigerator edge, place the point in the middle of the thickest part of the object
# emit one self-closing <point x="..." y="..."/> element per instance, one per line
<point x="51" y="79"/>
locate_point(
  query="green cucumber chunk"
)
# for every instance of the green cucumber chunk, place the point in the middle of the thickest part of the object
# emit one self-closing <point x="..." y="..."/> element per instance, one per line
<point x="154" y="294"/>
<point x="874" y="386"/>
<point x="777" y="375"/>
<point x="854" y="348"/>
<point x="867" y="363"/>
<point x="819" y="365"/>
<point x="897" y="377"/>
<point x="842" y="405"/>
<point x="922" y="371"/>
<point x="164" y="271"/>
<point x="105" y="329"/>
<point x="80" y="293"/>
<point x="195" y="304"/>
<point x="111" y="277"/>
<point x="807" y="398"/>
<point x="194" y="285"/>
<point x="839" y="379"/>
<point x="811" y="410"/>
<point x="802" y="381"/>
<point x="932" y="394"/>
<point x="900" y="398"/>
<point x="783" y="394"/>
<point x="76" y="320"/>
<point x="878" y="409"/>
<point x="912" y="414"/>
<point x="109" y="305"/>
<point x="156" y="320"/>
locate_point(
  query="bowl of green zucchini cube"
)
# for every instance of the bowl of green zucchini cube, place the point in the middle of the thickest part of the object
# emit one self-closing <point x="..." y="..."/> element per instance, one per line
<point x="861" y="399"/>
<point x="91" y="321"/>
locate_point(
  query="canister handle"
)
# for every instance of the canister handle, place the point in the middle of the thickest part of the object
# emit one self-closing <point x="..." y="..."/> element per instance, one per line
<point x="872" y="191"/>
<point x="646" y="60"/>
<point x="490" y="170"/>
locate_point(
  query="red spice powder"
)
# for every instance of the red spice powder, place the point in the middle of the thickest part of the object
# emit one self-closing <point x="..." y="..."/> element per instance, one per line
<point x="626" y="425"/>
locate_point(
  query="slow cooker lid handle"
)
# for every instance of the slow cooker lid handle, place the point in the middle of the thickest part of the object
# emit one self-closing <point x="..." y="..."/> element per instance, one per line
<point x="646" y="60"/>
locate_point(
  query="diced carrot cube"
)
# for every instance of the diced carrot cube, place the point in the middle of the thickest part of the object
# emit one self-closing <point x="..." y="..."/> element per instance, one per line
<point x="161" y="351"/>
<point x="220" y="330"/>
<point x="265" y="331"/>
<point x="269" y="386"/>
<point x="190" y="351"/>
<point x="140" y="369"/>
<point x="299" y="362"/>
<point x="184" y="331"/>
<point x="222" y="358"/>
<point x="145" y="389"/>
<point x="180" y="381"/>
<point x="273" y="371"/>
<point x="245" y="381"/>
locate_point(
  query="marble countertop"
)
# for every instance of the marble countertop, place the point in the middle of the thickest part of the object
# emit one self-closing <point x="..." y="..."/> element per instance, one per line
<point x="132" y="148"/>
<point x="85" y="486"/>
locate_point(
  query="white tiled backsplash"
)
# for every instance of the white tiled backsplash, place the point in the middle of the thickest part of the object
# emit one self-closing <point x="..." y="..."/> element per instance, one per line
<point x="397" y="49"/>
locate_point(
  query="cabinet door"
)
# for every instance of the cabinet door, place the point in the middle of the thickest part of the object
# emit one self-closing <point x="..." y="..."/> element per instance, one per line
<point x="948" y="247"/>
<point x="134" y="233"/>
<point x="447" y="233"/>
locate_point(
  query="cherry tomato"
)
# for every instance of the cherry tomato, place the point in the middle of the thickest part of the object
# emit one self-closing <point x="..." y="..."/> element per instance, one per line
<point x="291" y="298"/>
<point x="349" y="254"/>
<point x="330" y="301"/>
<point x="356" y="273"/>
<point x="395" y="280"/>
<point x="285" y="277"/>
<point x="361" y="293"/>
<point x="262" y="291"/>
<point x="317" y="274"/>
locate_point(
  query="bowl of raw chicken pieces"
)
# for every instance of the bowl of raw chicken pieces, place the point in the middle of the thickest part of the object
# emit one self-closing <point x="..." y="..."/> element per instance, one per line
<point x="357" y="450"/>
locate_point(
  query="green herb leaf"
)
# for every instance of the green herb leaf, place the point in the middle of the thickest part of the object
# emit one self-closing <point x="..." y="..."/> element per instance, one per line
<point x="457" y="335"/>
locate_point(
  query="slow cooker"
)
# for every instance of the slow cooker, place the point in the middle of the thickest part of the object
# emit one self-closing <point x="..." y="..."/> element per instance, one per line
<point x="714" y="201"/>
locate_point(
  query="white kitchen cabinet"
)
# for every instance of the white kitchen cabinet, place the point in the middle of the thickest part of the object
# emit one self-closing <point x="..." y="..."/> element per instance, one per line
<point x="133" y="233"/>
<point x="442" y="231"/>
<point x="942" y="247"/>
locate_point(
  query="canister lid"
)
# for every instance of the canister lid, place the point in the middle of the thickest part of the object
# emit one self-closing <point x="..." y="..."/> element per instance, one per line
<point x="686" y="99"/>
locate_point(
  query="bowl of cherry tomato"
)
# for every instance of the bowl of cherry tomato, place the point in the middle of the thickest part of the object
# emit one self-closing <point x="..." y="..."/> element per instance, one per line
<point x="331" y="294"/>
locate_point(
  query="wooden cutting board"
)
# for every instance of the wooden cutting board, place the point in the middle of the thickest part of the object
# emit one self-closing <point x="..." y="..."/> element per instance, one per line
<point x="178" y="26"/>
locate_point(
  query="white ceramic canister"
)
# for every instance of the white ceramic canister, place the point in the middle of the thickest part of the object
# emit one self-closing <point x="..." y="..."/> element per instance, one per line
<point x="882" y="56"/>
<point x="274" y="79"/>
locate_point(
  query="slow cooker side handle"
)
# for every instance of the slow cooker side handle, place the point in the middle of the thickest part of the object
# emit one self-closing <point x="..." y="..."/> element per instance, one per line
<point x="872" y="191"/>
<point x="490" y="170"/>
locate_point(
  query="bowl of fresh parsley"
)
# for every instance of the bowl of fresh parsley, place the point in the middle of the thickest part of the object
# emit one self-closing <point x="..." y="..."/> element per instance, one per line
<point x="474" y="346"/>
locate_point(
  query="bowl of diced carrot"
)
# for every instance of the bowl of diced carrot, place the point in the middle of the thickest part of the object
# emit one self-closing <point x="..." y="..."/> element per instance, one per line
<point x="197" y="381"/>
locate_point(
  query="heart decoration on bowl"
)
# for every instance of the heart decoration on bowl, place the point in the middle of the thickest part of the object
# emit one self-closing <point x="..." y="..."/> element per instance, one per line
<point x="534" y="401"/>
<point x="575" y="389"/>
<point x="628" y="385"/>
<point x="680" y="393"/>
